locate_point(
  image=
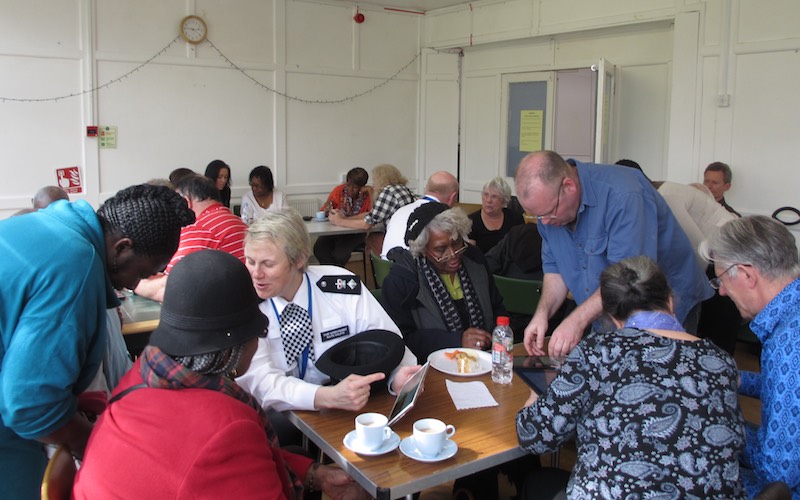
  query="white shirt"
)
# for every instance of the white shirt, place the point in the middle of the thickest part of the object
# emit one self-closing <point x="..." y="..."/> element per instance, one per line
<point x="396" y="226"/>
<point x="274" y="381"/>
<point x="252" y="211"/>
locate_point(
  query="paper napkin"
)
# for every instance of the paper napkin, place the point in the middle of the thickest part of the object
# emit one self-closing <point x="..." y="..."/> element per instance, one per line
<point x="466" y="395"/>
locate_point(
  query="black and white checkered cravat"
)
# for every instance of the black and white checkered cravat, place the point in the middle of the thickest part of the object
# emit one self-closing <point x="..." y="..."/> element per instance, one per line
<point x="296" y="332"/>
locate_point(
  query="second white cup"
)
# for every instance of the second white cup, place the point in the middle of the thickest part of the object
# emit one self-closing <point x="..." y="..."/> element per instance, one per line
<point x="371" y="430"/>
<point x="430" y="435"/>
<point x="321" y="215"/>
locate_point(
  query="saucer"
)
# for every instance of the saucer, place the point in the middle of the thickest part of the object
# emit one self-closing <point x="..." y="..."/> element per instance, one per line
<point x="352" y="444"/>
<point x="326" y="219"/>
<point x="409" y="448"/>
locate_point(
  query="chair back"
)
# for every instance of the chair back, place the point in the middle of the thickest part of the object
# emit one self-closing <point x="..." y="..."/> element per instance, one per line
<point x="380" y="268"/>
<point x="59" y="475"/>
<point x="519" y="296"/>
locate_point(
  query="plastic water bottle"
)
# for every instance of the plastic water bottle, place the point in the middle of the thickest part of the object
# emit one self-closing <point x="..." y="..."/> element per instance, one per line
<point x="502" y="356"/>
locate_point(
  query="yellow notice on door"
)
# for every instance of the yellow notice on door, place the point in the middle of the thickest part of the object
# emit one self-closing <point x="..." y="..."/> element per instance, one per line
<point x="108" y="137"/>
<point x="531" y="129"/>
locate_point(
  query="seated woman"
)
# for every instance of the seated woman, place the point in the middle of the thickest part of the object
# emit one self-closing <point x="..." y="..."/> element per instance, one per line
<point x="310" y="309"/>
<point x="439" y="291"/>
<point x="262" y="197"/>
<point x="219" y="172"/>
<point x="346" y="200"/>
<point x="655" y="408"/>
<point x="494" y="220"/>
<point x="393" y="193"/>
<point x="178" y="426"/>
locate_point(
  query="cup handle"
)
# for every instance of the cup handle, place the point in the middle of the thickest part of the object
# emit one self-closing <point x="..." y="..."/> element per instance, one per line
<point x="387" y="433"/>
<point x="449" y="431"/>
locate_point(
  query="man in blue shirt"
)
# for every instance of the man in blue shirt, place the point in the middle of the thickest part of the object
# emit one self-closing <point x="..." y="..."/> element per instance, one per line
<point x="757" y="265"/>
<point x="591" y="216"/>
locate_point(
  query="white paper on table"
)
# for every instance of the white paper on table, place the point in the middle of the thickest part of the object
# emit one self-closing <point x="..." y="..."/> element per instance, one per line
<point x="466" y="395"/>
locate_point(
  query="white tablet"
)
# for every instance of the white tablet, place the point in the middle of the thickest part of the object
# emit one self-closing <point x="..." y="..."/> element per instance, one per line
<point x="408" y="395"/>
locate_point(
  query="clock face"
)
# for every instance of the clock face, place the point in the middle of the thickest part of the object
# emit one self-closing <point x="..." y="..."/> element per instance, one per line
<point x="193" y="29"/>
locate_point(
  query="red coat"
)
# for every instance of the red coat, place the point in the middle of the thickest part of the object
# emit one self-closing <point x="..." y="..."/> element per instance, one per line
<point x="190" y="443"/>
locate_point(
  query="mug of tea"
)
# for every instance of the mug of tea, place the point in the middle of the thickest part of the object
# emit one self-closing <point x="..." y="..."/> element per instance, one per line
<point x="430" y="435"/>
<point x="372" y="431"/>
<point x="321" y="215"/>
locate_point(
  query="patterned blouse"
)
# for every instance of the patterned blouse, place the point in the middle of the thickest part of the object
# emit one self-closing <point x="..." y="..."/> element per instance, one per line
<point x="655" y="418"/>
<point x="387" y="202"/>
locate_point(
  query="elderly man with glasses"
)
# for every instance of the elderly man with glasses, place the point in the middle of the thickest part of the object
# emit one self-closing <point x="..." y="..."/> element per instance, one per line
<point x="591" y="216"/>
<point x="756" y="264"/>
<point x="440" y="292"/>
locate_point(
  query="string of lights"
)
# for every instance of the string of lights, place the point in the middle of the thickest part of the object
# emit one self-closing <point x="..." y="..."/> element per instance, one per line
<point x="232" y="65"/>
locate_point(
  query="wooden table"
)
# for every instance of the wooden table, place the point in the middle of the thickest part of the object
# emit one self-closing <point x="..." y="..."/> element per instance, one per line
<point x="486" y="437"/>
<point x="139" y="315"/>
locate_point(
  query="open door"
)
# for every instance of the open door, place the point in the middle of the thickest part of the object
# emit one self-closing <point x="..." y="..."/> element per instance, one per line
<point x="603" y="113"/>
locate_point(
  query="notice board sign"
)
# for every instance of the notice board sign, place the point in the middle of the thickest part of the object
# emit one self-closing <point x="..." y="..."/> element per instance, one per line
<point x="69" y="179"/>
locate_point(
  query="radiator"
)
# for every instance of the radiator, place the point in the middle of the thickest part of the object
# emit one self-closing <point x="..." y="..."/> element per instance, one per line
<point x="306" y="206"/>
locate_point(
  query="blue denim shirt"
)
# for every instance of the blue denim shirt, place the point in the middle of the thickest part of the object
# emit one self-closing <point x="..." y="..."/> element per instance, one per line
<point x="621" y="215"/>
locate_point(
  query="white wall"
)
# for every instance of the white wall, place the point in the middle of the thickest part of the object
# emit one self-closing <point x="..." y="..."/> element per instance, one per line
<point x="189" y="106"/>
<point x="697" y="81"/>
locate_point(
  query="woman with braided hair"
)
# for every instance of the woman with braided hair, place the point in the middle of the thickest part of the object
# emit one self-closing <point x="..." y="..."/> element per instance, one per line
<point x="59" y="268"/>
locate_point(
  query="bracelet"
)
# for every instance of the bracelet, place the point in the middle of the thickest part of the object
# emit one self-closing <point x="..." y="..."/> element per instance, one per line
<point x="311" y="476"/>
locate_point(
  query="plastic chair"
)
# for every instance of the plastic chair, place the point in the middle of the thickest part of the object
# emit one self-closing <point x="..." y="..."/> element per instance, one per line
<point x="380" y="268"/>
<point x="59" y="475"/>
<point x="519" y="296"/>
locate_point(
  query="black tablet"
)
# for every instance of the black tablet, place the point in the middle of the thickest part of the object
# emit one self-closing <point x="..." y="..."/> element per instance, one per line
<point x="408" y="395"/>
<point x="537" y="371"/>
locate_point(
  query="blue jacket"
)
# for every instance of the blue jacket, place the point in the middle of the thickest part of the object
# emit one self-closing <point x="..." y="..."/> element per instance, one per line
<point x="53" y="301"/>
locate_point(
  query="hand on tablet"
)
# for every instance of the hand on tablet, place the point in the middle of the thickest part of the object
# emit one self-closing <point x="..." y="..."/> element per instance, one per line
<point x="402" y="375"/>
<point x="351" y="393"/>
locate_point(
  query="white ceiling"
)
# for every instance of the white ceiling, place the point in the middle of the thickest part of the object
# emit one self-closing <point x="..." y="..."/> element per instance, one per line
<point x="413" y="5"/>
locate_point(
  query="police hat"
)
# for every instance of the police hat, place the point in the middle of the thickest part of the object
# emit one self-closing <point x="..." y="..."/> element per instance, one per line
<point x="368" y="352"/>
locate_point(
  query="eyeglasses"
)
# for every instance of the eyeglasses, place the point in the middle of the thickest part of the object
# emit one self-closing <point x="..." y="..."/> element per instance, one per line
<point x="717" y="282"/>
<point x="552" y="214"/>
<point x="445" y="257"/>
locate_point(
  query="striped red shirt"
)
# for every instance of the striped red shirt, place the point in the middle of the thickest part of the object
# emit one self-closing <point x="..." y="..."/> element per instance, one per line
<point x="216" y="228"/>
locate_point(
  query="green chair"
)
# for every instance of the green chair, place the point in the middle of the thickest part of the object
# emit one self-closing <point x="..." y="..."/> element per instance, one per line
<point x="380" y="268"/>
<point x="519" y="296"/>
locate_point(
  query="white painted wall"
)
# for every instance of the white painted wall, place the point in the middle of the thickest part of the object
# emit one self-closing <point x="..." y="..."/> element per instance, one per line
<point x="697" y="81"/>
<point x="189" y="106"/>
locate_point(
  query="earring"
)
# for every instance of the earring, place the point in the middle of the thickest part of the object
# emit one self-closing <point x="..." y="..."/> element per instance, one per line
<point x="234" y="374"/>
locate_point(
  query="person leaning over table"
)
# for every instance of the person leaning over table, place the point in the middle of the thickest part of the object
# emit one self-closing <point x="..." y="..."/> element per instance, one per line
<point x="178" y="425"/>
<point x="757" y="265"/>
<point x="439" y="291"/>
<point x="262" y="197"/>
<point x="655" y="408"/>
<point x="60" y="267"/>
<point x="283" y="375"/>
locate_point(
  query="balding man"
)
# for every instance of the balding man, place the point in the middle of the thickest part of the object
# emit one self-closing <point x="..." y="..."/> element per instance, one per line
<point x="44" y="197"/>
<point x="591" y="216"/>
<point x="757" y="265"/>
<point x="441" y="186"/>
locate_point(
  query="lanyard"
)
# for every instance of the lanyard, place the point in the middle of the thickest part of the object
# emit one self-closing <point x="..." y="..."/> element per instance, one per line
<point x="429" y="198"/>
<point x="304" y="361"/>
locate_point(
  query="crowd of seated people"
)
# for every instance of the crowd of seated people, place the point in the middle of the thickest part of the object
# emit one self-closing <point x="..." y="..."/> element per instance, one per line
<point x="440" y="293"/>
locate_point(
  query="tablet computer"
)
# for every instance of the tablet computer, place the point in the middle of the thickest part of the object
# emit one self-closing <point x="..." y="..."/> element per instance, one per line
<point x="537" y="371"/>
<point x="407" y="397"/>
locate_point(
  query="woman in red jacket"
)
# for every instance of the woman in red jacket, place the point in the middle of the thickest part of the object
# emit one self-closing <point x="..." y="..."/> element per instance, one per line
<point x="178" y="426"/>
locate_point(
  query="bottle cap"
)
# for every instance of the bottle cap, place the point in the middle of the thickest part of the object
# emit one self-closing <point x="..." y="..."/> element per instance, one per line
<point x="502" y="321"/>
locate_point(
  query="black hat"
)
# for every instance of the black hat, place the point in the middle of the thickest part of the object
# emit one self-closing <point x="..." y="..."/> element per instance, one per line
<point x="421" y="217"/>
<point x="209" y="305"/>
<point x="368" y="352"/>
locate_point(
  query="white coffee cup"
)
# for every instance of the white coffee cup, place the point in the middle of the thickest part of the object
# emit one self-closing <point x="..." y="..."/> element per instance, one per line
<point x="371" y="430"/>
<point x="321" y="215"/>
<point x="430" y="435"/>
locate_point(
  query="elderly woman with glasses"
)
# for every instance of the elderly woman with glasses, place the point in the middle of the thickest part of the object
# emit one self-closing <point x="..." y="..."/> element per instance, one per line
<point x="440" y="292"/>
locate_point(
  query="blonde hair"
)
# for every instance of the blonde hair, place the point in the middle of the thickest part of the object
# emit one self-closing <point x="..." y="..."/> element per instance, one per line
<point x="384" y="175"/>
<point x="285" y="229"/>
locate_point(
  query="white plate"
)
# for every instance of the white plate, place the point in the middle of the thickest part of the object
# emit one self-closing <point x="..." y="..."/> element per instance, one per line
<point x="351" y="443"/>
<point x="442" y="363"/>
<point x="409" y="448"/>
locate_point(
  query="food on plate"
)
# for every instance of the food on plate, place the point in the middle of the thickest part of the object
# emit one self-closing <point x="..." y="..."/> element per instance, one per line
<point x="463" y="360"/>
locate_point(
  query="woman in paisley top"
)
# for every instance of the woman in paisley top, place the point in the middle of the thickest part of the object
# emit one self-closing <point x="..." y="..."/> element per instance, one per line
<point x="655" y="408"/>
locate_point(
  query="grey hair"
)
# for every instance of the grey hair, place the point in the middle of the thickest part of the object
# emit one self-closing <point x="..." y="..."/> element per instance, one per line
<point x="501" y="186"/>
<point x="718" y="166"/>
<point x="286" y="230"/>
<point x="214" y="363"/>
<point x="757" y="240"/>
<point x="633" y="284"/>
<point x="453" y="221"/>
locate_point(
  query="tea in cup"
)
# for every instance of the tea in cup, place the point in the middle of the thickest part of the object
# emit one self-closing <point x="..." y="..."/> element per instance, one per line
<point x="321" y="215"/>
<point x="430" y="435"/>
<point x="372" y="431"/>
